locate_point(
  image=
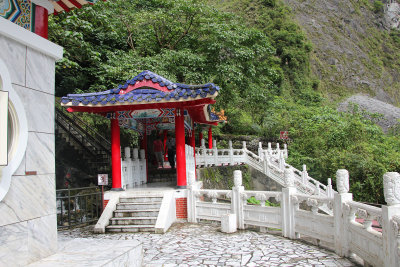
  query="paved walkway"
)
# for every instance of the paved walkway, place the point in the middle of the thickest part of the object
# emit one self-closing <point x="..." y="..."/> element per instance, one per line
<point x="203" y="244"/>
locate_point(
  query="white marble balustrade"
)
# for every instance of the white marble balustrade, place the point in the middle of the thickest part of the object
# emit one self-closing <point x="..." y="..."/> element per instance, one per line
<point x="272" y="162"/>
<point x="370" y="232"/>
<point x="190" y="161"/>
<point x="133" y="169"/>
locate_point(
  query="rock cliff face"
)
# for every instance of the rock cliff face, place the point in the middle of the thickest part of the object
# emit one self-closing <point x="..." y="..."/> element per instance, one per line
<point x="353" y="50"/>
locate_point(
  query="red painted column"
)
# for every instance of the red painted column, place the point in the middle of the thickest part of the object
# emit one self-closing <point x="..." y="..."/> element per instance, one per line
<point x="41" y="21"/>
<point x="180" y="149"/>
<point x="115" y="156"/>
<point x="210" y="145"/>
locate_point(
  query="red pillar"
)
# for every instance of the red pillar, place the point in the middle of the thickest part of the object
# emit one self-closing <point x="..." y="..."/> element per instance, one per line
<point x="180" y="148"/>
<point x="210" y="145"/>
<point x="200" y="137"/>
<point x="41" y="21"/>
<point x="115" y="156"/>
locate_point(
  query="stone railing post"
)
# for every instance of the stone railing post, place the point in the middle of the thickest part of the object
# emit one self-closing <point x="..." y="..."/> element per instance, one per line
<point x="143" y="166"/>
<point x="304" y="175"/>
<point x="278" y="150"/>
<point x="215" y="152"/>
<point x="341" y="218"/>
<point x="285" y="151"/>
<point x="269" y="149"/>
<point x="127" y="167"/>
<point x="260" y="150"/>
<point x="237" y="203"/>
<point x="391" y="219"/>
<point x="288" y="205"/>
<point x="265" y="161"/>
<point x="135" y="153"/>
<point x="127" y="153"/>
<point x="192" y="198"/>
<point x="203" y="152"/>
<point x="136" y="167"/>
<point x="244" y="155"/>
<point x="281" y="160"/>
<point x="230" y="153"/>
<point x="329" y="189"/>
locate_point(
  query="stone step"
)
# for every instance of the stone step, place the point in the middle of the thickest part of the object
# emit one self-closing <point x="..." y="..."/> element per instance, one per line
<point x="136" y="213"/>
<point x="138" y="205"/>
<point x="130" y="228"/>
<point x="134" y="221"/>
<point x="138" y="199"/>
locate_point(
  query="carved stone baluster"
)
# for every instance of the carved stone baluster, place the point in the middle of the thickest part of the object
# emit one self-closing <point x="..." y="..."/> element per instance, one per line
<point x="262" y="198"/>
<point x="213" y="195"/>
<point x="230" y="153"/>
<point x="391" y="218"/>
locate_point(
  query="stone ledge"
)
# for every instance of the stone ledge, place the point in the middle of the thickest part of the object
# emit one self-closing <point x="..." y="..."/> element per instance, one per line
<point x="95" y="252"/>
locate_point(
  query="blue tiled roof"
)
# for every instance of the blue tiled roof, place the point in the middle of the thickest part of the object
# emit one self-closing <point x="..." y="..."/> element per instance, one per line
<point x="176" y="91"/>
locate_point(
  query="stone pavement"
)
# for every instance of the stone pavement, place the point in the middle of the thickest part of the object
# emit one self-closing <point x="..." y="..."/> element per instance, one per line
<point x="203" y="244"/>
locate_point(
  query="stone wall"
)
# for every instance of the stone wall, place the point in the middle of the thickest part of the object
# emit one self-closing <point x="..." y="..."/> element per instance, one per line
<point x="28" y="223"/>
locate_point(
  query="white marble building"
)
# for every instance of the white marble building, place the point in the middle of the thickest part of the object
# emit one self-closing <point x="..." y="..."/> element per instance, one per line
<point x="28" y="223"/>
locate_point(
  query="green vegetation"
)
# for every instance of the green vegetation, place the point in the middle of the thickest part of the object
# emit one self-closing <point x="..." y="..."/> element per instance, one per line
<point x="254" y="52"/>
<point x="268" y="203"/>
<point x="216" y="177"/>
<point x="378" y="6"/>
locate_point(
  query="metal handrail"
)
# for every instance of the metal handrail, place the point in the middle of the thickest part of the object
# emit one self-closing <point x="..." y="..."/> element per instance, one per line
<point x="80" y="208"/>
<point x="84" y="133"/>
<point x="94" y="134"/>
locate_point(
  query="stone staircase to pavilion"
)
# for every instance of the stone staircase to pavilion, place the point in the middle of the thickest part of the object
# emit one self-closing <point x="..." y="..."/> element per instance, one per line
<point x="91" y="145"/>
<point x="136" y="214"/>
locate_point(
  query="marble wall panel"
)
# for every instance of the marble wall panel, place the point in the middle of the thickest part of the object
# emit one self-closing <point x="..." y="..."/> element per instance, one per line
<point x="39" y="108"/>
<point x="29" y="197"/>
<point x="42" y="237"/>
<point x="14" y="245"/>
<point x="14" y="55"/>
<point x="21" y="169"/>
<point x="40" y="71"/>
<point x="40" y="153"/>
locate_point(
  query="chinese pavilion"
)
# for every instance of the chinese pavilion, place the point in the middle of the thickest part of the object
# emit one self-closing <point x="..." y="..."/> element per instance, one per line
<point x="150" y="102"/>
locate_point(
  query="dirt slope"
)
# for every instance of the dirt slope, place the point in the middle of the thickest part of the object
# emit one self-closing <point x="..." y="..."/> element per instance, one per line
<point x="352" y="53"/>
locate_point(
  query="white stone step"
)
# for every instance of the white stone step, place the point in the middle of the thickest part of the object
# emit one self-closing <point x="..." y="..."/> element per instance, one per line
<point x="134" y="221"/>
<point x="136" y="213"/>
<point x="138" y="205"/>
<point x="138" y="199"/>
<point x="130" y="228"/>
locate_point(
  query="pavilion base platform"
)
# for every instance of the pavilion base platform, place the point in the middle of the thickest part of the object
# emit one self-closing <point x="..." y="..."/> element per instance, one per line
<point x="95" y="252"/>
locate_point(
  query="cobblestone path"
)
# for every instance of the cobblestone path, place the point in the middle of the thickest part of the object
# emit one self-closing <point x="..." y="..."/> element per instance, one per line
<point x="204" y="245"/>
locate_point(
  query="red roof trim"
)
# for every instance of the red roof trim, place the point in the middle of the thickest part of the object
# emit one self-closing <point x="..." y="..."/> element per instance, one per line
<point x="193" y="106"/>
<point x="75" y="3"/>
<point x="63" y="5"/>
<point x="144" y="83"/>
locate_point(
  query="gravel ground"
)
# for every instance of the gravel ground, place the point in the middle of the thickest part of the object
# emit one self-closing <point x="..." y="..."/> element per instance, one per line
<point x="391" y="114"/>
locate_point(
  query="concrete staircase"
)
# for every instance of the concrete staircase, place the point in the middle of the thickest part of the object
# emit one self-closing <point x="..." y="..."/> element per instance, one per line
<point x="161" y="175"/>
<point x="136" y="214"/>
<point x="91" y="145"/>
